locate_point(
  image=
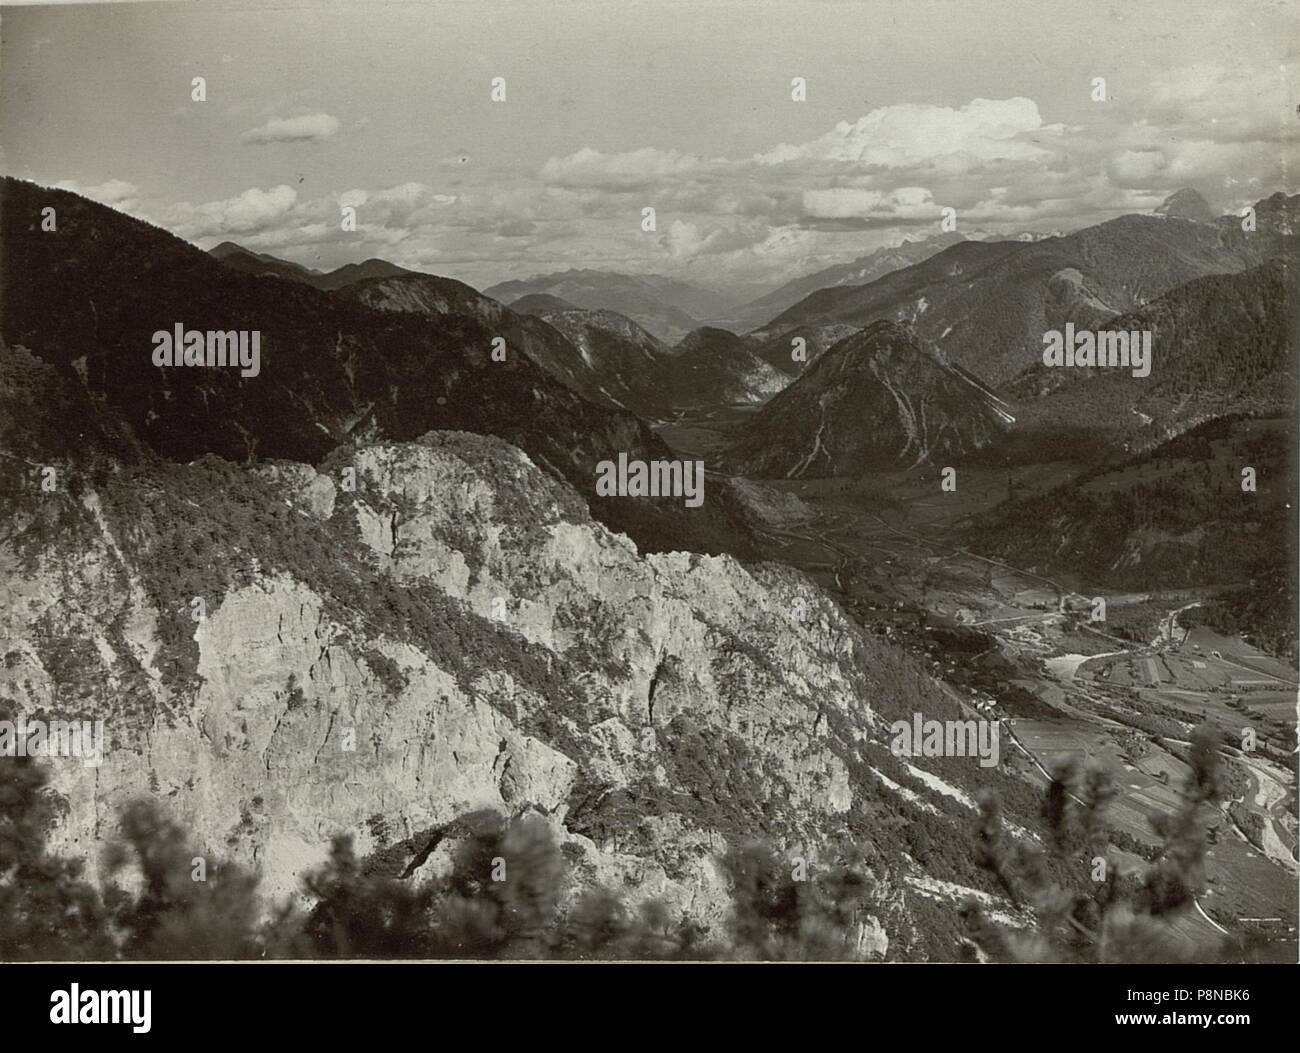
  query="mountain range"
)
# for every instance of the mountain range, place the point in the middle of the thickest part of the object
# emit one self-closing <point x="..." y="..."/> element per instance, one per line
<point x="990" y="303"/>
<point x="1222" y="344"/>
<point x="613" y="363"/>
<point x="397" y="542"/>
<point x="395" y="545"/>
<point x="242" y="259"/>
<point x="489" y="645"/>
<point x="1171" y="517"/>
<point x="667" y="307"/>
<point x="861" y="271"/>
<point x="334" y="369"/>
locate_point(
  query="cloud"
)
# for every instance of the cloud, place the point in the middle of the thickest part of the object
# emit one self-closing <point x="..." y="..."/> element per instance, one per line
<point x="252" y="211"/>
<point x="1229" y="173"/>
<point x="1226" y="103"/>
<point x="909" y="134"/>
<point x="762" y="218"/>
<point x="404" y="206"/>
<point x="894" y="167"/>
<point x="633" y="170"/>
<point x="112" y="192"/>
<point x="905" y="203"/>
<point x="406" y="194"/>
<point x="310" y="128"/>
<point x="516" y="228"/>
<point x="1135" y="168"/>
<point x="685" y="240"/>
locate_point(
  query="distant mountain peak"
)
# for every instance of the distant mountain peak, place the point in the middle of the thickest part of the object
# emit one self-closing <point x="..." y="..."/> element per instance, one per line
<point x="539" y="303"/>
<point x="234" y="254"/>
<point x="711" y="365"/>
<point x="860" y="271"/>
<point x="989" y="303"/>
<point x="668" y="308"/>
<point x="703" y="333"/>
<point x="1186" y="204"/>
<point x="225" y="249"/>
<point x="240" y="258"/>
<point x="880" y="398"/>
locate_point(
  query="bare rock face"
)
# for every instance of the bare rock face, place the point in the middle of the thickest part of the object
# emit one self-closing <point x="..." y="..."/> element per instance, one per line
<point x="656" y="709"/>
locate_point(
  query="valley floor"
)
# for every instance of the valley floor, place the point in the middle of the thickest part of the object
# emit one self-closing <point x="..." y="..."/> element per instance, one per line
<point x="1122" y="693"/>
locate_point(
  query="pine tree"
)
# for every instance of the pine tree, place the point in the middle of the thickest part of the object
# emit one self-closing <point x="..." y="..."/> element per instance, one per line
<point x="1096" y="915"/>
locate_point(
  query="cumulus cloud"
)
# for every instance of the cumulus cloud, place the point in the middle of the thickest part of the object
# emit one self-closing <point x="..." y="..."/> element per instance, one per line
<point x="1228" y="131"/>
<point x="908" y="135"/>
<point x="762" y="218"/>
<point x="685" y="240"/>
<point x="897" y="165"/>
<point x="304" y="129"/>
<point x="112" y="192"/>
<point x="1229" y="172"/>
<point x="252" y="211"/>
<point x="405" y="206"/>
<point x="406" y="195"/>
<point x="1135" y="168"/>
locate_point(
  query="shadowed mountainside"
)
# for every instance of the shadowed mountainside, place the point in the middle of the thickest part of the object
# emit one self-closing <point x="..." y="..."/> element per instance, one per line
<point x="242" y="259"/>
<point x="88" y="298"/>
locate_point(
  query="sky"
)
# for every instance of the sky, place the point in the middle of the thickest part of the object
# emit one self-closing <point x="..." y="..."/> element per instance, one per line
<point x="983" y="106"/>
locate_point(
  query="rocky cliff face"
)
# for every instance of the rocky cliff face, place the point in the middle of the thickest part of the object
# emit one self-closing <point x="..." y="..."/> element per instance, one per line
<point x="494" y="647"/>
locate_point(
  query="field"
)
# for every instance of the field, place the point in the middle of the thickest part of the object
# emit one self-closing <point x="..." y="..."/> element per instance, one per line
<point x="1123" y="693"/>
